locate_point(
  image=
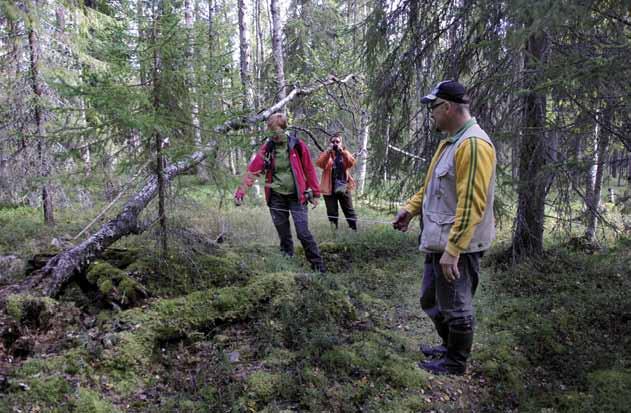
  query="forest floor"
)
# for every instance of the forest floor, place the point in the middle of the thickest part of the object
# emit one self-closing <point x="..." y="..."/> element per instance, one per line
<point x="237" y="327"/>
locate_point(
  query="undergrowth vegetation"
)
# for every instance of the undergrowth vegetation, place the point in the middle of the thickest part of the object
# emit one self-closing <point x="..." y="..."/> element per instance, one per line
<point x="226" y="323"/>
<point x="557" y="330"/>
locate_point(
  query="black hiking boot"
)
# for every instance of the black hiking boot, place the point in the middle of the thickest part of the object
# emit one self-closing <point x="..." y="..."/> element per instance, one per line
<point x="454" y="361"/>
<point x="319" y="267"/>
<point x="433" y="351"/>
<point x="443" y="331"/>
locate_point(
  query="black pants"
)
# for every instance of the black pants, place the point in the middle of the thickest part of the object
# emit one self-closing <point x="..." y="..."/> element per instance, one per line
<point x="346" y="202"/>
<point x="280" y="205"/>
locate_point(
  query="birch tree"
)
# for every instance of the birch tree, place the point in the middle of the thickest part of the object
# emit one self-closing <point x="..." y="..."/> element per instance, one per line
<point x="277" y="49"/>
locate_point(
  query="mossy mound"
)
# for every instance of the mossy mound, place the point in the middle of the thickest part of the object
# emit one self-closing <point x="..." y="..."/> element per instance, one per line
<point x="31" y="311"/>
<point x="115" y="284"/>
<point x="171" y="319"/>
<point x="184" y="272"/>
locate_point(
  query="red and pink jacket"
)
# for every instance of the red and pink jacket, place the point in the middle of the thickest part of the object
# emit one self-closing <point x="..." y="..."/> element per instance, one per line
<point x="302" y="168"/>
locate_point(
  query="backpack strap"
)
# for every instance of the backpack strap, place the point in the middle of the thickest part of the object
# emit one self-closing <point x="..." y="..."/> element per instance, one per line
<point x="294" y="141"/>
<point x="270" y="146"/>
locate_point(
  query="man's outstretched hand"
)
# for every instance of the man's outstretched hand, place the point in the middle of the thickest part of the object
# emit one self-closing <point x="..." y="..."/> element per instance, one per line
<point x="402" y="220"/>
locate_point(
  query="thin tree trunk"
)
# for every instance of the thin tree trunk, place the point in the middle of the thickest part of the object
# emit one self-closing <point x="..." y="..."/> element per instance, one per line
<point x="40" y="127"/>
<point x="619" y="161"/>
<point x="277" y="49"/>
<point x="386" y="152"/>
<point x="259" y="54"/>
<point x="363" y="152"/>
<point x="599" y="166"/>
<point x="245" y="56"/>
<point x="590" y="177"/>
<point x="158" y="141"/>
<point x="202" y="172"/>
<point x="14" y="48"/>
<point x="211" y="34"/>
<point x="528" y="236"/>
<point x="245" y="69"/>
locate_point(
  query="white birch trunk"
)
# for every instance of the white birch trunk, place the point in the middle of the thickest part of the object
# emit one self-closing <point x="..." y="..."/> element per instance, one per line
<point x="245" y="70"/>
<point x="363" y="154"/>
<point x="277" y="48"/>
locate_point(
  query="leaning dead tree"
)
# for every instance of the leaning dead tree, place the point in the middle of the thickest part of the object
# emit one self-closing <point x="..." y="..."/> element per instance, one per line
<point x="60" y="269"/>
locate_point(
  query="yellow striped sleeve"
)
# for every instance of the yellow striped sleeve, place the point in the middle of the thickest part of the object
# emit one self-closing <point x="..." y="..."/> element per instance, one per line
<point x="415" y="204"/>
<point x="475" y="159"/>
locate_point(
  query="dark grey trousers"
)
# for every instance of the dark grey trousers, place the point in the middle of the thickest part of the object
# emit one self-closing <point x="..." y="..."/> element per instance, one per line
<point x="279" y="206"/>
<point x="450" y="304"/>
<point x="346" y="202"/>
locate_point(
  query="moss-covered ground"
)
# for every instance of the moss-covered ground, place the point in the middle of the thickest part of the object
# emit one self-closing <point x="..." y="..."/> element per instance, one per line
<point x="235" y="326"/>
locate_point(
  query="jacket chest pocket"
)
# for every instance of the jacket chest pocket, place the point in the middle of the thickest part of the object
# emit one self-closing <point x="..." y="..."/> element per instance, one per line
<point x="445" y="180"/>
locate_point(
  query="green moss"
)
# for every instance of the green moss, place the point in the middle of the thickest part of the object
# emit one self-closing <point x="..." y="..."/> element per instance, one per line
<point x="314" y="377"/>
<point x="412" y="403"/>
<point x="341" y="360"/>
<point x="139" y="266"/>
<point x="121" y="258"/>
<point x="29" y="309"/>
<point x="46" y="384"/>
<point x="71" y="363"/>
<point x="103" y="270"/>
<point x="114" y="283"/>
<point x="88" y="401"/>
<point x="167" y="319"/>
<point x="403" y="373"/>
<point x="370" y="354"/>
<point x="106" y="285"/>
<point x="280" y="357"/>
<point x="263" y="385"/>
<point x="502" y="364"/>
<point x="129" y="289"/>
<point x="611" y="390"/>
<point x="40" y="393"/>
<point x="223" y="269"/>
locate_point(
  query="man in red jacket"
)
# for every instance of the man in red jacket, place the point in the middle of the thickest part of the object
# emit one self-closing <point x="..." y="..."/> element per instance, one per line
<point x="290" y="182"/>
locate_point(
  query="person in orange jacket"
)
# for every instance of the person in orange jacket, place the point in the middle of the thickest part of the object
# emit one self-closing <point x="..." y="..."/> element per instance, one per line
<point x="337" y="183"/>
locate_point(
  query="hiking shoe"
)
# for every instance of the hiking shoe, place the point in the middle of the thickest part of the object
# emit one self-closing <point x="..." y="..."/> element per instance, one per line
<point x="318" y="268"/>
<point x="443" y="366"/>
<point x="433" y="351"/>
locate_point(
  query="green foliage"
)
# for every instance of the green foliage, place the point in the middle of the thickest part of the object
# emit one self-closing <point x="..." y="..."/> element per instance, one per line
<point x="611" y="389"/>
<point x="89" y="401"/>
<point x="20" y="225"/>
<point x="263" y="386"/>
<point x="537" y="322"/>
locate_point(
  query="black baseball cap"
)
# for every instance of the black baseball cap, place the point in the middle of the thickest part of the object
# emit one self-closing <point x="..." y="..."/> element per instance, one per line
<point x="449" y="90"/>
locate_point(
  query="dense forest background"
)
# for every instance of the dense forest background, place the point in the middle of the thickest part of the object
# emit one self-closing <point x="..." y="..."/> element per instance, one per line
<point x="130" y="282"/>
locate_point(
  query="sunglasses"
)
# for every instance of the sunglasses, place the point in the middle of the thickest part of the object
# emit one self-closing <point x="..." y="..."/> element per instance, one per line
<point x="336" y="141"/>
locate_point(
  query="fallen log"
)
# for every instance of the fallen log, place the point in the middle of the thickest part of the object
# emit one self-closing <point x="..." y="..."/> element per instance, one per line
<point x="61" y="269"/>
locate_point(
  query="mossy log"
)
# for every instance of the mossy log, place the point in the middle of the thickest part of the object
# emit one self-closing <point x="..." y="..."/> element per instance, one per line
<point x="59" y="270"/>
